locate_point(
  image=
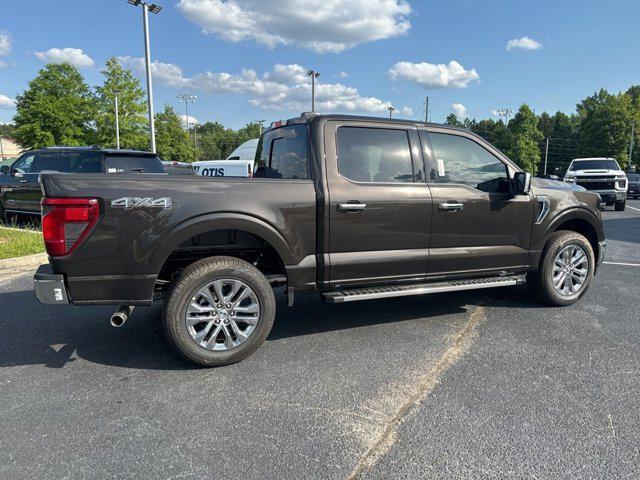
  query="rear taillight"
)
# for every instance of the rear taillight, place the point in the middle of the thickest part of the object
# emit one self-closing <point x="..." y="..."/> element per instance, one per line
<point x="66" y="222"/>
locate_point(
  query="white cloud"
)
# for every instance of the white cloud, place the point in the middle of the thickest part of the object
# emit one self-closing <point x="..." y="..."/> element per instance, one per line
<point x="285" y="87"/>
<point x="429" y="75"/>
<point x="3" y="64"/>
<point x="523" y="43"/>
<point x="342" y="75"/>
<point x="73" y="56"/>
<point x="459" y="111"/>
<point x="319" y="25"/>
<point x="495" y="113"/>
<point x="7" y="102"/>
<point x="192" y="120"/>
<point x="5" y="42"/>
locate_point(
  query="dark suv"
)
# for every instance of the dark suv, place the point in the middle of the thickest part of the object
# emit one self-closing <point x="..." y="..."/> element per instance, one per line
<point x="20" y="191"/>
<point x="634" y="185"/>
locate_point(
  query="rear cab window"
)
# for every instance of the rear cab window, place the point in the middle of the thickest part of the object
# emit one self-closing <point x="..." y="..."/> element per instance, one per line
<point x="283" y="153"/>
<point x="121" y="163"/>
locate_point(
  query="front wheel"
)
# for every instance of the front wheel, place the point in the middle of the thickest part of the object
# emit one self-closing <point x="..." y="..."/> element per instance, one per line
<point x="219" y="311"/>
<point x="566" y="269"/>
<point x="620" y="206"/>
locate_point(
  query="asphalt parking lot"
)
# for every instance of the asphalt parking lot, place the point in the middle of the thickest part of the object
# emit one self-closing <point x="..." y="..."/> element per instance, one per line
<point x="465" y="385"/>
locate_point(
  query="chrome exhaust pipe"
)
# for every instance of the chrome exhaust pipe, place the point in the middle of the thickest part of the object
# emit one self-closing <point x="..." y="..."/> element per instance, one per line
<point x="121" y="315"/>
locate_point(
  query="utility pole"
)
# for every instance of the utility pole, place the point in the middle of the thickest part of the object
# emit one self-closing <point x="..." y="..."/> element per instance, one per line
<point x="146" y="8"/>
<point x="117" y="122"/>
<point x="259" y="122"/>
<point x="313" y="74"/>
<point x="631" y="142"/>
<point x="426" y="110"/>
<point x="546" y="156"/>
<point x="391" y="108"/>
<point x="1" y="150"/>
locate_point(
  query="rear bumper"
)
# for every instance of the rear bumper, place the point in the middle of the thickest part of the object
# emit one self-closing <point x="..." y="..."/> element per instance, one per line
<point x="55" y="288"/>
<point x="49" y="286"/>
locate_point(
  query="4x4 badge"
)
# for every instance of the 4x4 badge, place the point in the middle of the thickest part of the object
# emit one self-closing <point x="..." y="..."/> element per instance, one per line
<point x="137" y="202"/>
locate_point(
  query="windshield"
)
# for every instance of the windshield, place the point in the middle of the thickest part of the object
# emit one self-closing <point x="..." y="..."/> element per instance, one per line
<point x="603" y="164"/>
<point x="133" y="163"/>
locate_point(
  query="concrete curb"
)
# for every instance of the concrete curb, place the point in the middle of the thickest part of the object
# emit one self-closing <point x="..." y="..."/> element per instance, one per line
<point x="22" y="264"/>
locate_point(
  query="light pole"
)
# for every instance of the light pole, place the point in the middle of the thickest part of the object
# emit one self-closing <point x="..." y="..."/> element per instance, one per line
<point x="631" y="142"/>
<point x="260" y="122"/>
<point x="117" y="122"/>
<point x="506" y="113"/>
<point x="1" y="150"/>
<point x="146" y="8"/>
<point x="186" y="98"/>
<point x="391" y="108"/>
<point x="313" y="74"/>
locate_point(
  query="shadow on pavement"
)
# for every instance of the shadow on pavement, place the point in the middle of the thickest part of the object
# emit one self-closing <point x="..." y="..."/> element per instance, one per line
<point x="35" y="334"/>
<point x="623" y="229"/>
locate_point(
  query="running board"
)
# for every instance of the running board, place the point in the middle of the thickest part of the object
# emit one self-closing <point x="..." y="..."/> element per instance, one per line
<point x="354" y="295"/>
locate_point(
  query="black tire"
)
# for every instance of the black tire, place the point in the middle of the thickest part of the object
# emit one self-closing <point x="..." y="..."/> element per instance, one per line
<point x="540" y="282"/>
<point x="3" y="215"/>
<point x="193" y="278"/>
<point x="620" y="206"/>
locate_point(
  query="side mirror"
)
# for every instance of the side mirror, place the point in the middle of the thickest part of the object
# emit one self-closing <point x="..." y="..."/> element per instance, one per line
<point x="522" y="182"/>
<point x="5" y="169"/>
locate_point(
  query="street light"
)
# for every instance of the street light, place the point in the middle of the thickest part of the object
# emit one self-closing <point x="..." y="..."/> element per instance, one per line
<point x="115" y="93"/>
<point x="260" y="122"/>
<point x="187" y="98"/>
<point x="391" y="108"/>
<point x="506" y="113"/>
<point x="146" y="8"/>
<point x="313" y="74"/>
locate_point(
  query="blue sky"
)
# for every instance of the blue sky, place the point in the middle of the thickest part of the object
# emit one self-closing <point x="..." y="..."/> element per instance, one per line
<point x="245" y="59"/>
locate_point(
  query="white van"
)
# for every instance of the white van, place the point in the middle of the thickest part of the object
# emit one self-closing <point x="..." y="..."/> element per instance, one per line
<point x="238" y="164"/>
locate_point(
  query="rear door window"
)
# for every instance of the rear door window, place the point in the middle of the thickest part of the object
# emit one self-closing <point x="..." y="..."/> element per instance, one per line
<point x="132" y="163"/>
<point x="67" y="162"/>
<point x="377" y="155"/>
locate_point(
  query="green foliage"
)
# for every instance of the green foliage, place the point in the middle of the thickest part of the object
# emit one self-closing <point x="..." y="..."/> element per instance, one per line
<point x="132" y="109"/>
<point x="7" y="130"/>
<point x="215" y="142"/>
<point x="452" y="120"/>
<point x="172" y="141"/>
<point x="524" y="146"/>
<point x="605" y="125"/>
<point x="57" y="109"/>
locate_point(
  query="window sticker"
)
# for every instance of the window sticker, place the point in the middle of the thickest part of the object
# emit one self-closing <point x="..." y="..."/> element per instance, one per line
<point x="441" y="170"/>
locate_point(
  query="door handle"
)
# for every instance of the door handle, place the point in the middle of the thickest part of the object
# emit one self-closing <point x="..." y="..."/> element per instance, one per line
<point x="23" y="181"/>
<point x="451" y="206"/>
<point x="352" y="207"/>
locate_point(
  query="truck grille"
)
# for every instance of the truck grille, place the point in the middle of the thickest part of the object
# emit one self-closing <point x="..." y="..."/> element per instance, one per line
<point x="597" y="183"/>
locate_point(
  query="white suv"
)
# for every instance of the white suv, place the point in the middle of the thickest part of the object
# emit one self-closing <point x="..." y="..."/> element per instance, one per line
<point x="602" y="176"/>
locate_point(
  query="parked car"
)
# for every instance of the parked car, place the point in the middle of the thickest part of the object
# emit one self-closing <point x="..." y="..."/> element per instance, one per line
<point x="178" y="168"/>
<point x="634" y="185"/>
<point x="602" y="176"/>
<point x="238" y="164"/>
<point x="20" y="190"/>
<point x="353" y="208"/>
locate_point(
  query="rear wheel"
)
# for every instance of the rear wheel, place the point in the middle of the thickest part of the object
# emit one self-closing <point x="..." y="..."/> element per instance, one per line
<point x="219" y="311"/>
<point x="566" y="269"/>
<point x="620" y="206"/>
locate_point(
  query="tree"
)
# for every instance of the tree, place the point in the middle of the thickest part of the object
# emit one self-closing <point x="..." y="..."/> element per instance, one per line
<point x="452" y="120"/>
<point x="606" y="125"/>
<point x="57" y="109"/>
<point x="526" y="136"/>
<point x="131" y="108"/>
<point x="172" y="141"/>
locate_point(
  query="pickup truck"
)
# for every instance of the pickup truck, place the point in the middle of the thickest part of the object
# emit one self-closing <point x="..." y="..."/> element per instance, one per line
<point x="353" y="208"/>
<point x="20" y="191"/>
<point x="602" y="176"/>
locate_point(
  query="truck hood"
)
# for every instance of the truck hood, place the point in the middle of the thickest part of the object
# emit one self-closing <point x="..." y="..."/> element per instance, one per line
<point x="555" y="185"/>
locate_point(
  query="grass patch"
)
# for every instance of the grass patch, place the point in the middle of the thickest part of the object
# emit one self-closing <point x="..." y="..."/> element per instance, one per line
<point x="15" y="243"/>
